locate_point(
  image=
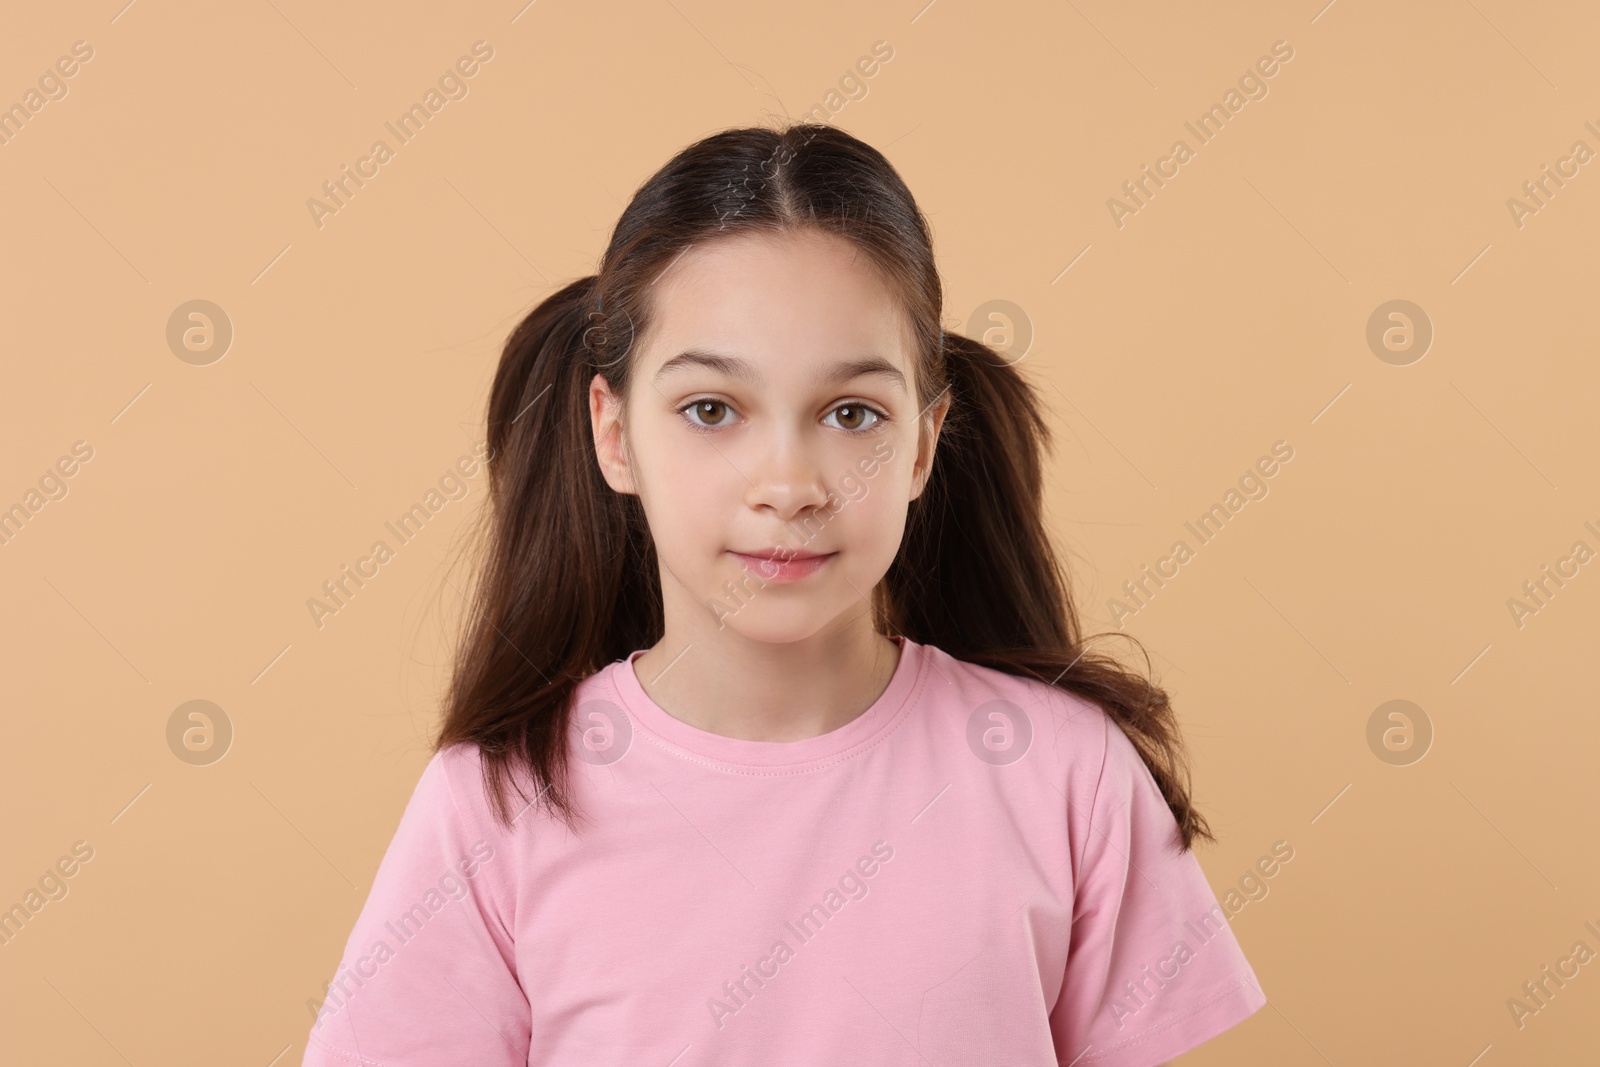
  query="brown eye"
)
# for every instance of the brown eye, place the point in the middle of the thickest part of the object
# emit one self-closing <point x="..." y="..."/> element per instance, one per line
<point x="855" y="417"/>
<point x="709" y="410"/>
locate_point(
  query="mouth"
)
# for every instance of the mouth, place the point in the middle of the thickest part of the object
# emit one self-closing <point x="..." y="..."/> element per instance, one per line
<point x="782" y="564"/>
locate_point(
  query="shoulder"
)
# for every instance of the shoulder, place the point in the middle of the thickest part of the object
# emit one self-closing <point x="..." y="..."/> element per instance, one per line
<point x="452" y="790"/>
<point x="1062" y="728"/>
<point x="453" y="819"/>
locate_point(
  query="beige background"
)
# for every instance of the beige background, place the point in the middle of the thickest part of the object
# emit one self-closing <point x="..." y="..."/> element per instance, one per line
<point x="1229" y="313"/>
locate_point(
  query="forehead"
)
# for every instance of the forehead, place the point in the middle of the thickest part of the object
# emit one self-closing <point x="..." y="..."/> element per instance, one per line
<point x="776" y="300"/>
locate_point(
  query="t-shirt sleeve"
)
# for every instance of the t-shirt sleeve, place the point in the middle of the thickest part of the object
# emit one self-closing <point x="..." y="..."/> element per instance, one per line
<point x="428" y="975"/>
<point x="1153" y="968"/>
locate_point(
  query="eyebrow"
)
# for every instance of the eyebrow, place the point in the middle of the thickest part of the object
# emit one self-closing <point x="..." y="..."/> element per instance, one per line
<point x="744" y="370"/>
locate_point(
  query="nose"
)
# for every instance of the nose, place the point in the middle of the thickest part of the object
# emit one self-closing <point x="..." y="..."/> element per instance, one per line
<point x="786" y="477"/>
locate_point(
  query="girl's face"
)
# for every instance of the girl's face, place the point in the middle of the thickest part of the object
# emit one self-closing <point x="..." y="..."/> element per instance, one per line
<point x="772" y="412"/>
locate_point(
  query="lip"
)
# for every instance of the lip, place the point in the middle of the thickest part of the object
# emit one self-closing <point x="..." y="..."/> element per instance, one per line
<point x="782" y="565"/>
<point x="782" y="554"/>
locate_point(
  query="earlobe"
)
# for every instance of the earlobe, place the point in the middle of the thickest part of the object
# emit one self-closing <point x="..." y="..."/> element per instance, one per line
<point x="921" y="476"/>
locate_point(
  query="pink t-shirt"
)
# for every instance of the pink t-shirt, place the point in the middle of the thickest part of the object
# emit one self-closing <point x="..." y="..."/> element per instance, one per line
<point x="977" y="870"/>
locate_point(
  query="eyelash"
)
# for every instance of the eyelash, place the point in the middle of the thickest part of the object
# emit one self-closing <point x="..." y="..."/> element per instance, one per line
<point x="882" y="417"/>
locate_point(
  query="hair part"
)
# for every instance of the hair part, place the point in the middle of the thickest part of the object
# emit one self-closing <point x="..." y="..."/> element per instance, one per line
<point x="568" y="580"/>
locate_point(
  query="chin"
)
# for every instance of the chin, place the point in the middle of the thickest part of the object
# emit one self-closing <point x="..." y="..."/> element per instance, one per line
<point x="773" y="627"/>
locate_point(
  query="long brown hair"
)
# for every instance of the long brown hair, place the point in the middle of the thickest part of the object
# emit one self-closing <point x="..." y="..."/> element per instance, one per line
<point x="568" y="579"/>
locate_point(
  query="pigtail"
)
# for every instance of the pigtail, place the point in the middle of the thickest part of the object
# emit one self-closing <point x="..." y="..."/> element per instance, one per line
<point x="978" y="577"/>
<point x="568" y="576"/>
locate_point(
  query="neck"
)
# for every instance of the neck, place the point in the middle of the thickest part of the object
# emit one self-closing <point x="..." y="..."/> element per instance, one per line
<point x="733" y="684"/>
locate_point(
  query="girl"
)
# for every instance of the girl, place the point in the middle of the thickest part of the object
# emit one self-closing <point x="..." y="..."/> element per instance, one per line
<point x="773" y="737"/>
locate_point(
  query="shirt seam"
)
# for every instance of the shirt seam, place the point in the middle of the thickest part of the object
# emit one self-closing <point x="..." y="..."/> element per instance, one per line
<point x="1094" y="803"/>
<point x="823" y="763"/>
<point x="1235" y="986"/>
<point x="491" y="839"/>
<point x="334" y="1050"/>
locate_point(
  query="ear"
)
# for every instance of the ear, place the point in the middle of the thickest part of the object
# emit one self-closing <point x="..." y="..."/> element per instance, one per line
<point x="927" y="442"/>
<point x="610" y="440"/>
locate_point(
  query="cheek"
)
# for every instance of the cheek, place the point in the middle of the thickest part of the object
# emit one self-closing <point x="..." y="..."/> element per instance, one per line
<point x="876" y="519"/>
<point x="687" y="490"/>
<point x="892" y="478"/>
